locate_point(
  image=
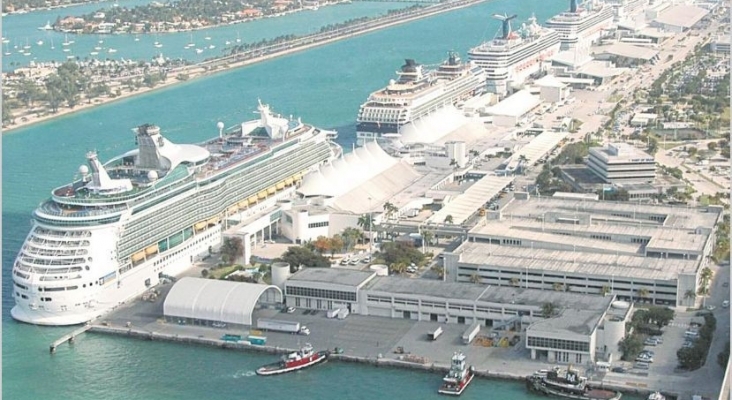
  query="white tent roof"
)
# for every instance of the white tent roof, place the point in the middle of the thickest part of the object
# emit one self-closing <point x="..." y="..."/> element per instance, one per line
<point x="537" y="148"/>
<point x="217" y="300"/>
<point x="684" y="16"/>
<point x="379" y="189"/>
<point x="549" y="81"/>
<point x="516" y="105"/>
<point x="432" y="127"/>
<point x="348" y="172"/>
<point x="469" y="202"/>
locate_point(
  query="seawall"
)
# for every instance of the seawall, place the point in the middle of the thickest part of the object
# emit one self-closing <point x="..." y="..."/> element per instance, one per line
<point x="379" y="361"/>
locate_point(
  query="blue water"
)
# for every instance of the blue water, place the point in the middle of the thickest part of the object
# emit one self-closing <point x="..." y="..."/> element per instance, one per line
<point x="324" y="86"/>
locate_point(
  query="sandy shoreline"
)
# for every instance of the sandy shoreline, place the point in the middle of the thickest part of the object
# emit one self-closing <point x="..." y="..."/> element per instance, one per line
<point x="26" y="117"/>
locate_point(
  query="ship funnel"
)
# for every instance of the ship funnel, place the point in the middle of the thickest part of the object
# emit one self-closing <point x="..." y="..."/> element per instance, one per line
<point x="573" y="6"/>
<point x="506" y="21"/>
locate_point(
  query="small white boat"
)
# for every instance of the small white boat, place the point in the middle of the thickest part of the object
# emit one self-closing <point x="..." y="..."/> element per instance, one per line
<point x="211" y="47"/>
<point x="40" y="42"/>
<point x="158" y="44"/>
<point x="94" y="53"/>
<point x="112" y="50"/>
<point x="208" y="38"/>
<point x="137" y="38"/>
<point x="6" y="40"/>
<point x="199" y="51"/>
<point x="97" y="48"/>
<point x="67" y="50"/>
<point x="46" y="27"/>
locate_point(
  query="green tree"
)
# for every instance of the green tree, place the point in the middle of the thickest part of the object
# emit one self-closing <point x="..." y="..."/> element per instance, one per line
<point x="28" y="91"/>
<point x="548" y="310"/>
<point x="723" y="356"/>
<point x="605" y="290"/>
<point x="558" y="286"/>
<point x="336" y="244"/>
<point x="427" y="236"/>
<point x="642" y="293"/>
<point x="231" y="249"/>
<point x="322" y="244"/>
<point x="439" y="270"/>
<point x="448" y="219"/>
<point x="364" y="222"/>
<point x="631" y="346"/>
<point x="475" y="278"/>
<point x="690" y="295"/>
<point x="298" y="256"/>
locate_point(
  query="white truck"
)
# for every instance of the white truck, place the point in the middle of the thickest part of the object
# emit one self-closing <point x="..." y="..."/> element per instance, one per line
<point x="333" y="313"/>
<point x="471" y="333"/>
<point x="282" y="326"/>
<point x="343" y="313"/>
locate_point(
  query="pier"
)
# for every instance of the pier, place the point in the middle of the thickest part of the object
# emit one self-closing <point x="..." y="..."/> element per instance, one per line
<point x="68" y="338"/>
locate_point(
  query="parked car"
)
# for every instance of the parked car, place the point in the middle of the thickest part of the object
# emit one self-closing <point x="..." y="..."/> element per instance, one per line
<point x="725" y="304"/>
<point x="642" y="358"/>
<point x="619" y="370"/>
<point x="290" y="310"/>
<point x="650" y="342"/>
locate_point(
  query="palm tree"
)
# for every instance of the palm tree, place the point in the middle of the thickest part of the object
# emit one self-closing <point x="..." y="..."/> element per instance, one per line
<point x="548" y="309"/>
<point x="706" y="275"/>
<point x="475" y="278"/>
<point x="439" y="270"/>
<point x="364" y="222"/>
<point x="605" y="290"/>
<point x="704" y="292"/>
<point x="398" y="268"/>
<point x="523" y="160"/>
<point x="231" y="249"/>
<point x="690" y="295"/>
<point x="514" y="282"/>
<point x="448" y="219"/>
<point x="558" y="286"/>
<point x="427" y="236"/>
<point x="643" y="293"/>
<point x="389" y="210"/>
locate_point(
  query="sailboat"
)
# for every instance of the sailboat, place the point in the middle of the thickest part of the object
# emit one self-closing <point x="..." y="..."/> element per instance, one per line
<point x="67" y="42"/>
<point x="190" y="44"/>
<point x="27" y="46"/>
<point x="52" y="46"/>
<point x="46" y="27"/>
<point x="7" y="50"/>
<point x="238" y="39"/>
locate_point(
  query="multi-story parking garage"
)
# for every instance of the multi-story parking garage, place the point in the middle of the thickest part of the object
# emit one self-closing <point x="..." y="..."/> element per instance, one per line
<point x="649" y="253"/>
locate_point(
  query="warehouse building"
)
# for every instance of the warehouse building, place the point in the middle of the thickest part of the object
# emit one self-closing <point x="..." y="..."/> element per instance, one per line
<point x="577" y="319"/>
<point x="647" y="253"/>
<point x="217" y="303"/>
<point x="512" y="110"/>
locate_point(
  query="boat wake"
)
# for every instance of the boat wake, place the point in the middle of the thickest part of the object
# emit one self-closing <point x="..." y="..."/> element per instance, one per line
<point x="244" y="374"/>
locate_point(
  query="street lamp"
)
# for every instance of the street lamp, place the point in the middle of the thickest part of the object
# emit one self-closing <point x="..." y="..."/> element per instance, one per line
<point x="371" y="235"/>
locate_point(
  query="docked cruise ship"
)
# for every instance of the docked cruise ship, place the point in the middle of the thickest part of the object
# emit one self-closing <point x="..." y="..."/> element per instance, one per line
<point x="120" y="227"/>
<point x="417" y="93"/>
<point x="582" y="25"/>
<point x="513" y="56"/>
<point x="624" y="9"/>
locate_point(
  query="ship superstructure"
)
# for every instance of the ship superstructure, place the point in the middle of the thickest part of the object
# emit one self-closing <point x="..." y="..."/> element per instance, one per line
<point x="119" y="228"/>
<point x="511" y="57"/>
<point x="418" y="92"/>
<point x="582" y="25"/>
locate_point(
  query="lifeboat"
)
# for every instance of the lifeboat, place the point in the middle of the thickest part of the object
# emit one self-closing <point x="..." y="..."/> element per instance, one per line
<point x="200" y="226"/>
<point x="298" y="176"/>
<point x="233" y="209"/>
<point x="242" y="204"/>
<point x="262" y="194"/>
<point x="213" y="221"/>
<point x="252" y="200"/>
<point x="137" y="257"/>
<point x="151" y="250"/>
<point x="281" y="185"/>
<point x="271" y="190"/>
<point x="289" y="181"/>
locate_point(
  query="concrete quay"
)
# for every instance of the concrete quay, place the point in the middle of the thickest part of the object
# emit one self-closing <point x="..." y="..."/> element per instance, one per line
<point x="367" y="340"/>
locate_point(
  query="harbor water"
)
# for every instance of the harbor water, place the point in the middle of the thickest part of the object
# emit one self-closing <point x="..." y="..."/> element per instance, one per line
<point x="325" y="86"/>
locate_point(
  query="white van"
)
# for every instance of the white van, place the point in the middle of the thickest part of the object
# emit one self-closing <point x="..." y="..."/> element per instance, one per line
<point x="725" y="304"/>
<point x="641" y="365"/>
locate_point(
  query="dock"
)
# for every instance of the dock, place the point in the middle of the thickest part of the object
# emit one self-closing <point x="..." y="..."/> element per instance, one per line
<point x="68" y="338"/>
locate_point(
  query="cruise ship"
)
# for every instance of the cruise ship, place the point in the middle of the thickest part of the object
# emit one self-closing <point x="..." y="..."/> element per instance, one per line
<point x="417" y="93"/>
<point x="121" y="227"/>
<point x="513" y="56"/>
<point x="582" y="25"/>
<point x="624" y="9"/>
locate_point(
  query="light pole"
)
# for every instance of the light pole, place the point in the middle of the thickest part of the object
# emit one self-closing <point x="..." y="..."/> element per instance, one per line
<point x="371" y="235"/>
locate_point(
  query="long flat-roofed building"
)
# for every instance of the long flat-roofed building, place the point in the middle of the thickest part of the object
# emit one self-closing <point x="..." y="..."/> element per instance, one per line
<point x="622" y="163"/>
<point x="581" y="328"/>
<point x="651" y="253"/>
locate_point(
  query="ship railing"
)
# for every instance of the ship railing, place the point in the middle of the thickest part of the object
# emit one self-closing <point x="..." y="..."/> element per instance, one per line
<point x="56" y="262"/>
<point x="52" y="209"/>
<point x="56" y="243"/>
<point x="33" y="250"/>
<point x="65" y="234"/>
<point x="179" y="176"/>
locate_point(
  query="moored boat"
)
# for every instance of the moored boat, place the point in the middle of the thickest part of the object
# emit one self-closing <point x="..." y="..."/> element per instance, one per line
<point x="656" y="396"/>
<point x="458" y="378"/>
<point x="303" y="358"/>
<point x="569" y="384"/>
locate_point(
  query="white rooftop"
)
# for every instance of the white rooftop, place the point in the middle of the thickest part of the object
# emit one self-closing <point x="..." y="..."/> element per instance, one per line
<point x="684" y="16"/>
<point x="549" y="81"/>
<point x="537" y="148"/>
<point x="515" y="105"/>
<point x="601" y="69"/>
<point x="471" y="200"/>
<point x="629" y="51"/>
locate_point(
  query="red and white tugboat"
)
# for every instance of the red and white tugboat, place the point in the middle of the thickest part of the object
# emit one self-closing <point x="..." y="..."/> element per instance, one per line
<point x="300" y="359"/>
<point x="458" y="378"/>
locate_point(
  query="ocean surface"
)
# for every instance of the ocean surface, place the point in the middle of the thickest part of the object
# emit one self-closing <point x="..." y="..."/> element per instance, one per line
<point x="324" y="86"/>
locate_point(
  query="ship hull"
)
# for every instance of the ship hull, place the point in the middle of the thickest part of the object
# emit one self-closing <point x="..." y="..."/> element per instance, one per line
<point x="457" y="391"/>
<point x="277" y="368"/>
<point x="536" y="384"/>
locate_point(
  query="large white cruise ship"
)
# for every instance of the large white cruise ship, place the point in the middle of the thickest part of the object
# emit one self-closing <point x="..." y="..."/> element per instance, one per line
<point x="582" y="25"/>
<point x="417" y="93"/>
<point x="514" y="56"/>
<point x="120" y="227"/>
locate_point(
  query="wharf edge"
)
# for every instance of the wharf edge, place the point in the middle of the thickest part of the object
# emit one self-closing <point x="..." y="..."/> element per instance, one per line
<point x="374" y="361"/>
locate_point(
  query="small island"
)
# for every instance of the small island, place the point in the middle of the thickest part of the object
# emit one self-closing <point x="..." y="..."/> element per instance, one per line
<point x="181" y="15"/>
